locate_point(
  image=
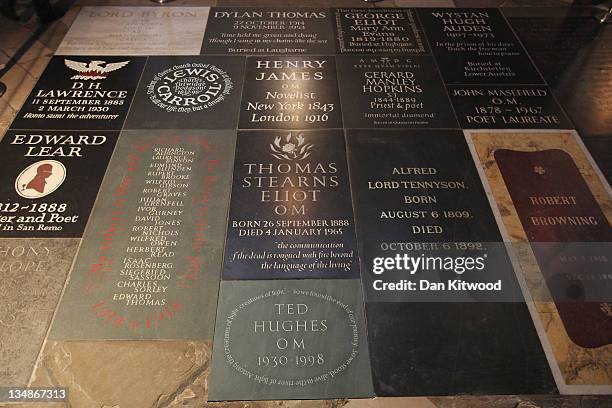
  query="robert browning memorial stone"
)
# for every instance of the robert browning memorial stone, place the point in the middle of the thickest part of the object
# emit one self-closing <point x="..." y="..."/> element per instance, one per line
<point x="393" y="91"/>
<point x="290" y="212"/>
<point x="197" y="92"/>
<point x="267" y="31"/>
<point x="50" y="180"/>
<point x="476" y="46"/>
<point x="290" y="339"/>
<point x="149" y="265"/>
<point x="290" y="93"/>
<point x="378" y="31"/>
<point x="418" y="194"/>
<point x="82" y="93"/>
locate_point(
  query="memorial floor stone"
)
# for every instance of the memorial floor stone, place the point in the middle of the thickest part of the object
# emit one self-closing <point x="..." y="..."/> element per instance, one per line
<point x="82" y="93"/>
<point x="197" y="92"/>
<point x="149" y="266"/>
<point x="290" y="213"/>
<point x="290" y="340"/>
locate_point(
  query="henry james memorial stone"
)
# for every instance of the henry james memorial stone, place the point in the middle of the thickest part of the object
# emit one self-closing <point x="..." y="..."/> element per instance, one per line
<point x="188" y="93"/>
<point x="88" y="93"/>
<point x="455" y="322"/>
<point x="378" y="30"/>
<point x="476" y="46"/>
<point x="290" y="213"/>
<point x="292" y="339"/>
<point x="50" y="180"/>
<point x="290" y="93"/>
<point x="150" y="261"/>
<point x="393" y="91"/>
<point x="246" y="30"/>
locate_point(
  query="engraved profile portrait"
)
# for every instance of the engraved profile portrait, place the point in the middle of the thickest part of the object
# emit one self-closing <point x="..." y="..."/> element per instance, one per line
<point x="40" y="179"/>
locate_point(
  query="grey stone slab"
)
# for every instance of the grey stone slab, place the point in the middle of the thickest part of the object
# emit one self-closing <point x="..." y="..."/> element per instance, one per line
<point x="33" y="275"/>
<point x="150" y="261"/>
<point x="290" y="340"/>
<point x="136" y="31"/>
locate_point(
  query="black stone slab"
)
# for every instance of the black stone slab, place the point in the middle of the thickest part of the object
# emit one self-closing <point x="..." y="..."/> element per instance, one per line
<point x="290" y="212"/>
<point x="418" y="193"/>
<point x="476" y="46"/>
<point x="378" y="30"/>
<point x="150" y="261"/>
<point x="553" y="36"/>
<point x="50" y="180"/>
<point x="507" y="107"/>
<point x="290" y="93"/>
<point x="198" y="92"/>
<point x="455" y="348"/>
<point x="293" y="339"/>
<point x="393" y="91"/>
<point x="268" y="31"/>
<point x="82" y="93"/>
<point x="437" y="342"/>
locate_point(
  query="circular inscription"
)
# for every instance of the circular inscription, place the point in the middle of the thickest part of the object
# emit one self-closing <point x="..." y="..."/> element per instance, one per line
<point x="40" y="179"/>
<point x="291" y="338"/>
<point x="189" y="87"/>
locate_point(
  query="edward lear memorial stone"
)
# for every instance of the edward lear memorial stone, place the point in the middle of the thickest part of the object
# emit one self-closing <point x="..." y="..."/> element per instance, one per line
<point x="290" y="212"/>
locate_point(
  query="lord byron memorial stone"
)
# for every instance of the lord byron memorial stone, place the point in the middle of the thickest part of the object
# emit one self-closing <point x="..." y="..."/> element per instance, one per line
<point x="290" y="213"/>
<point x="188" y="93"/>
<point x="507" y="107"/>
<point x="282" y="30"/>
<point x="417" y="194"/>
<point x="293" y="339"/>
<point x="150" y="261"/>
<point x="378" y="30"/>
<point x="393" y="91"/>
<point x="50" y="180"/>
<point x="476" y="46"/>
<point x="81" y="93"/>
<point x="290" y="93"/>
<point x="136" y="31"/>
<point x="570" y="236"/>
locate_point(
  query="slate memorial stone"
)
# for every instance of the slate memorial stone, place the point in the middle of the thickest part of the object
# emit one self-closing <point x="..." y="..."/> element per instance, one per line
<point x="81" y="93"/>
<point x="292" y="339"/>
<point x="378" y="30"/>
<point x="50" y="180"/>
<point x="136" y="31"/>
<point x="507" y="107"/>
<point x="418" y="193"/>
<point x="418" y="197"/>
<point x="282" y="30"/>
<point x="393" y="91"/>
<point x="476" y="46"/>
<point x="150" y="261"/>
<point x="188" y="93"/>
<point x="290" y="93"/>
<point x="290" y="213"/>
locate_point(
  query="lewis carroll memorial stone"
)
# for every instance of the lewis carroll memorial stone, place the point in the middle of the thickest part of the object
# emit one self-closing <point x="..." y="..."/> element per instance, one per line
<point x="150" y="261"/>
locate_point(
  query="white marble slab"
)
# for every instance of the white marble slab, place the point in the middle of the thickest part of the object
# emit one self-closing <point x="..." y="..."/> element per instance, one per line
<point x="136" y="31"/>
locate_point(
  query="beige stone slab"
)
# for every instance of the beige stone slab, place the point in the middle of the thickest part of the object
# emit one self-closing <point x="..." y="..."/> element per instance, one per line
<point x="33" y="275"/>
<point x="391" y="402"/>
<point x="7" y="113"/>
<point x="13" y="35"/>
<point x="18" y="86"/>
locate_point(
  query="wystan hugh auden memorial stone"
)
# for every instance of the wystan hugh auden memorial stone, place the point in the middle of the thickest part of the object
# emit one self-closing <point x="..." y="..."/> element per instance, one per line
<point x="393" y="91"/>
<point x="476" y="46"/>
<point x="290" y="339"/>
<point x="150" y="261"/>
<point x="290" y="212"/>
<point x="50" y="180"/>
<point x="84" y="93"/>
<point x="290" y="93"/>
<point x="242" y="30"/>
<point x="198" y="92"/>
<point x="423" y="198"/>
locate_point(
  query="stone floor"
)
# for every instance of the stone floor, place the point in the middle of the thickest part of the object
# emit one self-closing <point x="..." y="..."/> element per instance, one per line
<point x="25" y="66"/>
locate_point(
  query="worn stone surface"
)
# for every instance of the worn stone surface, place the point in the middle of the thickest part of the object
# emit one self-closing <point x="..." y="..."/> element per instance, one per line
<point x="33" y="275"/>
